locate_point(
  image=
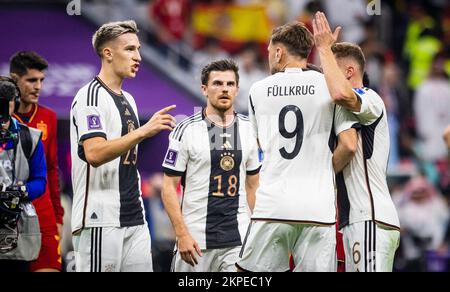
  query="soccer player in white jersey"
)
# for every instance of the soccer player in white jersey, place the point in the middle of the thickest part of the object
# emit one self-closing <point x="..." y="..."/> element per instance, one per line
<point x="294" y="118"/>
<point x="215" y="155"/>
<point x="367" y="214"/>
<point x="110" y="233"/>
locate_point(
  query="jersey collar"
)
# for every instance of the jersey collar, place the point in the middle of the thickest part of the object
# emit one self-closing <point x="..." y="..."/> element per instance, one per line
<point x="293" y="70"/>
<point x="17" y="115"/>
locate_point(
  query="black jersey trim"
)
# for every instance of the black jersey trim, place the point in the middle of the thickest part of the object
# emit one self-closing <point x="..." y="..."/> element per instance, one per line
<point x="86" y="195"/>
<point x="93" y="92"/>
<point x="179" y="130"/>
<point x="243" y="117"/>
<point x="253" y="172"/>
<point x="171" y="172"/>
<point x="92" y="135"/>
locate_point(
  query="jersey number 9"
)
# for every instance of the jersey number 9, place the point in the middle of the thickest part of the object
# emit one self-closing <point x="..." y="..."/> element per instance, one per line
<point x="297" y="133"/>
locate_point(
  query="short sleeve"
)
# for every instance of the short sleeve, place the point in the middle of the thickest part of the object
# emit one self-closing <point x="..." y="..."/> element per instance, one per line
<point x="252" y="114"/>
<point x="371" y="106"/>
<point x="90" y="114"/>
<point x="344" y="120"/>
<point x="176" y="158"/>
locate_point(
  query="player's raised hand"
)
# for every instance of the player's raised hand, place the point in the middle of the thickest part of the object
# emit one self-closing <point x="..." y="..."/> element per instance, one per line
<point x="189" y="249"/>
<point x="323" y="37"/>
<point x="160" y="121"/>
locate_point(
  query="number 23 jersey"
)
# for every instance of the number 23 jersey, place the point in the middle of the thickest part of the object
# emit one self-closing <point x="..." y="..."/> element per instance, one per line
<point x="295" y="120"/>
<point x="213" y="163"/>
<point x="108" y="195"/>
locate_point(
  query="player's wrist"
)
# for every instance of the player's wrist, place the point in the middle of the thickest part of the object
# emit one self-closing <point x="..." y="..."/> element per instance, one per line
<point x="325" y="49"/>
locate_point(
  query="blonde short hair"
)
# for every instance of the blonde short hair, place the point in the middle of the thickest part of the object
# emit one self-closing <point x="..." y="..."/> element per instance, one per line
<point x="110" y="31"/>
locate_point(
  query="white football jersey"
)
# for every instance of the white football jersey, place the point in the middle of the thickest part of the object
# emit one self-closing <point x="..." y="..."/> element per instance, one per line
<point x="293" y="115"/>
<point x="109" y="195"/>
<point x="213" y="163"/>
<point x="363" y="192"/>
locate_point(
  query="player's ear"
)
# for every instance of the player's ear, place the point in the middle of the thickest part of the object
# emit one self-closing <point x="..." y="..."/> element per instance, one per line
<point x="107" y="54"/>
<point x="350" y="72"/>
<point x="205" y="94"/>
<point x="278" y="54"/>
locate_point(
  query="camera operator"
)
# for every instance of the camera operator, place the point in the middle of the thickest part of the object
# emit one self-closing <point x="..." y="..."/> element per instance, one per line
<point x="22" y="171"/>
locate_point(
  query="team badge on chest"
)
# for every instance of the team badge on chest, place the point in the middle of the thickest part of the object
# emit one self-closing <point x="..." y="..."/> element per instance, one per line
<point x="227" y="161"/>
<point x="43" y="128"/>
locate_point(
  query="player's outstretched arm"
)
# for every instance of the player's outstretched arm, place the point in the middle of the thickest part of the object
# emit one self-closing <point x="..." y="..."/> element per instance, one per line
<point x="339" y="87"/>
<point x="251" y="185"/>
<point x="187" y="246"/>
<point x="99" y="151"/>
<point x="345" y="150"/>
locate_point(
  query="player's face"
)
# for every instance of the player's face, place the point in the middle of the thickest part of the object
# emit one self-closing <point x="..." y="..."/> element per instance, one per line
<point x="125" y="55"/>
<point x="221" y="90"/>
<point x="30" y="86"/>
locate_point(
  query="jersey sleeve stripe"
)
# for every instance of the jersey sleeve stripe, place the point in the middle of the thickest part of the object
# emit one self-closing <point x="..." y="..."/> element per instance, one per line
<point x="243" y="117"/>
<point x="180" y="134"/>
<point x="182" y="126"/>
<point x="96" y="95"/>
<point x="177" y="128"/>
<point x="93" y="87"/>
<point x="89" y="93"/>
<point x="251" y="104"/>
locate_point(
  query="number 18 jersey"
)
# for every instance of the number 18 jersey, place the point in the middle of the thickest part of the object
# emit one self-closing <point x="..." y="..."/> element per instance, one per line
<point x="295" y="121"/>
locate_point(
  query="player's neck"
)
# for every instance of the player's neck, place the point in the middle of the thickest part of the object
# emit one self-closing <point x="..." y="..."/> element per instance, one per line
<point x="294" y="63"/>
<point x="111" y="80"/>
<point x="25" y="108"/>
<point x="220" y="118"/>
<point x="356" y="82"/>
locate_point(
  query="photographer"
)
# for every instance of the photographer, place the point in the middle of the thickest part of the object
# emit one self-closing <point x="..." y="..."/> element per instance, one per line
<point x="22" y="172"/>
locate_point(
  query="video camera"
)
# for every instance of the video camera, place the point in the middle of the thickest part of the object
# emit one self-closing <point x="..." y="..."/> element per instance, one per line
<point x="11" y="196"/>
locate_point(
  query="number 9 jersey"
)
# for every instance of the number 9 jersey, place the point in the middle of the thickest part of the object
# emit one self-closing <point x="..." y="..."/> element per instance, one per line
<point x="296" y="122"/>
<point x="213" y="163"/>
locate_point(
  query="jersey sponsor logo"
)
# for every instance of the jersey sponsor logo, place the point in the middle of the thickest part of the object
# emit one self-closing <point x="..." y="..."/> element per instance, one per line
<point x="359" y="91"/>
<point x="227" y="161"/>
<point x="94" y="216"/>
<point x="171" y="157"/>
<point x="227" y="145"/>
<point x="43" y="128"/>
<point x="94" y="122"/>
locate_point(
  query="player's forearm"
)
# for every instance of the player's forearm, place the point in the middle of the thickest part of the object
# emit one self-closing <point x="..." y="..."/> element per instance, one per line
<point x="342" y="157"/>
<point x="104" y="151"/>
<point x="339" y="87"/>
<point x="251" y="185"/>
<point x="345" y="149"/>
<point x="173" y="209"/>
